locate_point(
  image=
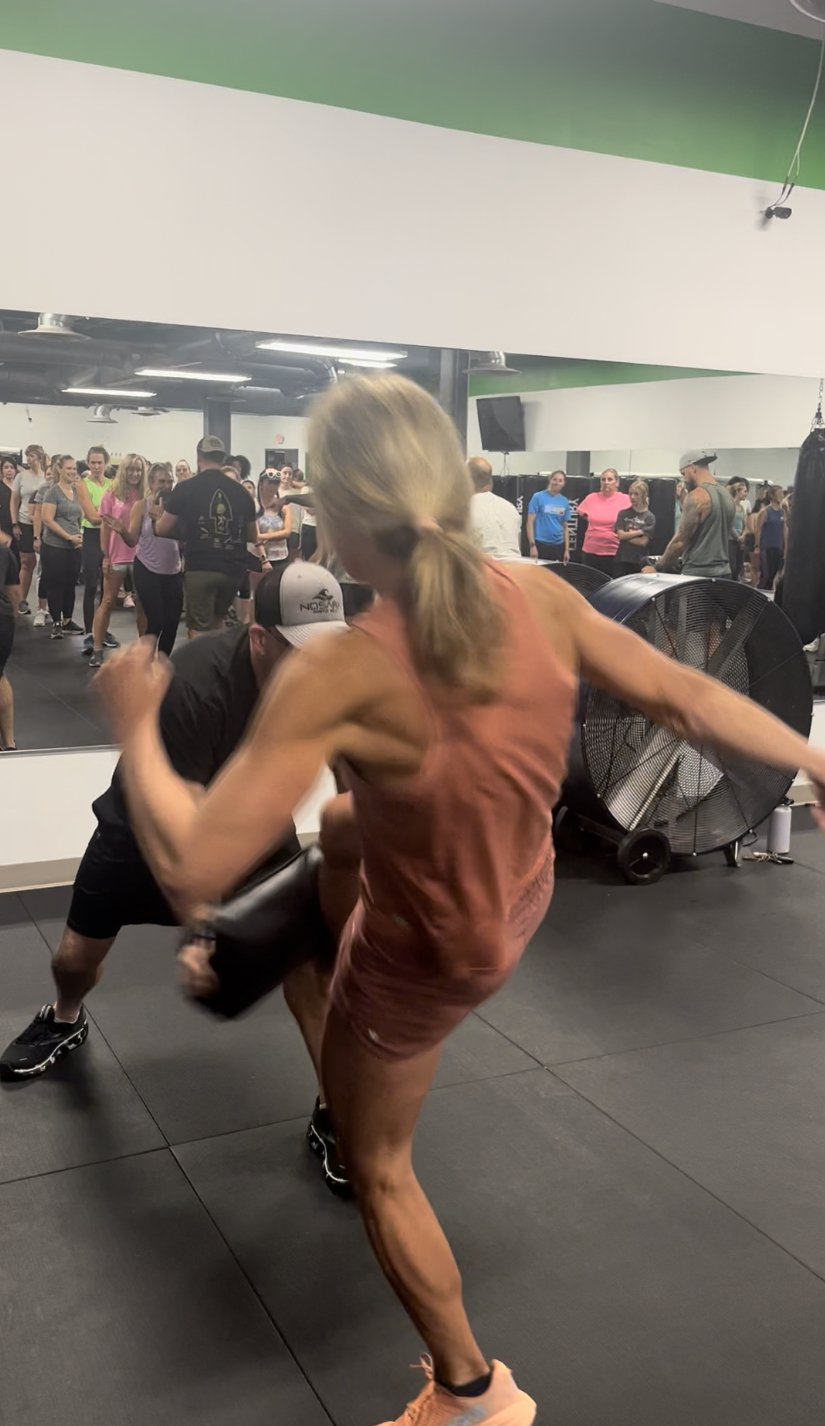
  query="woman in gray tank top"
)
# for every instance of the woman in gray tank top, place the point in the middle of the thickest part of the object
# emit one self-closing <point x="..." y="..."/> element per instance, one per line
<point x="60" y="545"/>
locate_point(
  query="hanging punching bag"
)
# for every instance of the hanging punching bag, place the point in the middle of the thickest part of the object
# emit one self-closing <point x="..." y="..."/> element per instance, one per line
<point x="803" y="592"/>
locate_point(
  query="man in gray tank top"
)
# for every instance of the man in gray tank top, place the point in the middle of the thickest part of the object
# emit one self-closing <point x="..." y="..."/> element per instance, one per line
<point x="701" y="541"/>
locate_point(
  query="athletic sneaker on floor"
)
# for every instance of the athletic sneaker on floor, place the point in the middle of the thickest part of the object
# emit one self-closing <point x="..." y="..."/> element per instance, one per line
<point x="502" y="1404"/>
<point x="39" y="620"/>
<point x="57" y="632"/>
<point x="41" y="1043"/>
<point x="24" y="608"/>
<point x="324" y="1145"/>
<point x="70" y="627"/>
<point x="109" y="642"/>
<point x="96" y="660"/>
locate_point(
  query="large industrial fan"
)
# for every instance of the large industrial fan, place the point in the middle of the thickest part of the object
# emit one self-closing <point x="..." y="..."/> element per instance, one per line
<point x="639" y="785"/>
<point x="583" y="577"/>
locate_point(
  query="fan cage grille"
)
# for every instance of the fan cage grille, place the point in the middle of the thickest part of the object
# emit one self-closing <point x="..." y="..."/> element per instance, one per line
<point x="646" y="776"/>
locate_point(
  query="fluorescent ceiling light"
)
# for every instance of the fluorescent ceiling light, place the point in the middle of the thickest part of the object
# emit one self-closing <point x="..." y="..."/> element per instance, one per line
<point x="164" y="373"/>
<point x="372" y="365"/>
<point x="105" y="391"/>
<point x="356" y="354"/>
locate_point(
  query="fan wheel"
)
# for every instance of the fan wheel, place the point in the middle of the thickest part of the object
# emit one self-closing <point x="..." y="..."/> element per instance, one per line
<point x="644" y="857"/>
<point x="733" y="853"/>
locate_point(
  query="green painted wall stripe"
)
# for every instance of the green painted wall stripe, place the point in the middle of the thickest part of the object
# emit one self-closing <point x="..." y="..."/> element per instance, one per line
<point x="631" y="78"/>
<point x="565" y="373"/>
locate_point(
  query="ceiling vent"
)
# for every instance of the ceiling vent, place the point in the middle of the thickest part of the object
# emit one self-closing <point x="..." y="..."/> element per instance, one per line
<point x="53" y="324"/>
<point x="492" y="363"/>
<point x="102" y="416"/>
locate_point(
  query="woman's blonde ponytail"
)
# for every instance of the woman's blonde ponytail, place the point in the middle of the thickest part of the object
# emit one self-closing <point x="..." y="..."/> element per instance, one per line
<point x="454" y="624"/>
<point x="387" y="463"/>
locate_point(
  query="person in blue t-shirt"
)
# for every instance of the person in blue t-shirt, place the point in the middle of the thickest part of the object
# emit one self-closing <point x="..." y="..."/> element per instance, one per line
<point x="548" y="521"/>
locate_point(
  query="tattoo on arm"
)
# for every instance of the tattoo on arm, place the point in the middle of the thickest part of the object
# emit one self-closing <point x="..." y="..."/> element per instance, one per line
<point x="685" y="535"/>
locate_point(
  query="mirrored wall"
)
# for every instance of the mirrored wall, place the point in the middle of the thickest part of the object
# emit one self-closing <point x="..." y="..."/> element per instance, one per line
<point x="151" y="391"/>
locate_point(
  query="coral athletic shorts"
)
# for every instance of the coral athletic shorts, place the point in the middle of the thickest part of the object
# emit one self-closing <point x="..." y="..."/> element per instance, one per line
<point x="397" y="1001"/>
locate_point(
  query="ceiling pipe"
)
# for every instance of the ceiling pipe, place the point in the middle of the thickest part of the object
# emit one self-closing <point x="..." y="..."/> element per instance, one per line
<point x="15" y="386"/>
<point x="55" y="351"/>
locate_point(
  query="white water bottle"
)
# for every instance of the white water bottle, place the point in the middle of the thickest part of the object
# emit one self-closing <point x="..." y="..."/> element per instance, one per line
<point x="779" y="830"/>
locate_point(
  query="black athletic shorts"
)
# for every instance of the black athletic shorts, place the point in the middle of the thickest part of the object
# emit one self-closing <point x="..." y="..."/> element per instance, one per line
<point x="115" y="888"/>
<point x="25" y="544"/>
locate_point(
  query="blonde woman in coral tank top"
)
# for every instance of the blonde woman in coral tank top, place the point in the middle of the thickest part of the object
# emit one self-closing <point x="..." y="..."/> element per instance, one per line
<point x="449" y="709"/>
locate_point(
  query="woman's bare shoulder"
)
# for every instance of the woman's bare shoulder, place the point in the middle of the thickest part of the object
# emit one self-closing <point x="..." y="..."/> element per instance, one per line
<point x="543" y="589"/>
<point x="347" y="670"/>
<point x="556" y="606"/>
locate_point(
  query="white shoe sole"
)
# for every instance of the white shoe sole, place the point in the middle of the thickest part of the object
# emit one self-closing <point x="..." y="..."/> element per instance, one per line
<point x="337" y="1185"/>
<point x="64" y="1048"/>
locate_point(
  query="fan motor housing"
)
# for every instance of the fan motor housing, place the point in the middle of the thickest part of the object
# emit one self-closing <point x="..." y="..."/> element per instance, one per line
<point x="630" y="774"/>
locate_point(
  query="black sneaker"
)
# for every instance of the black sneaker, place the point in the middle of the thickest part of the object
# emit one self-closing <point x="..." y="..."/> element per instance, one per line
<point x="110" y="642"/>
<point x="70" y="627"/>
<point x="321" y="1140"/>
<point x="96" y="659"/>
<point x="57" y="632"/>
<point x="41" y="1044"/>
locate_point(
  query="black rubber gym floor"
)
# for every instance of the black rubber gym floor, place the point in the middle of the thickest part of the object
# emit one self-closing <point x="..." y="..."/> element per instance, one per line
<point x="627" y="1150"/>
<point x="50" y="678"/>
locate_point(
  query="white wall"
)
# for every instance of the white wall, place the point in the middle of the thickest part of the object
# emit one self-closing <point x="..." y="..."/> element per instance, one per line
<point x="623" y="277"/>
<point x="772" y="463"/>
<point x="167" y="437"/>
<point x="251" y="435"/>
<point x="38" y="849"/>
<point x="655" y="422"/>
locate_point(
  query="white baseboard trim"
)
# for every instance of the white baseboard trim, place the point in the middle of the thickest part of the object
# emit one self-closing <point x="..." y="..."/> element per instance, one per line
<point x="34" y="876"/>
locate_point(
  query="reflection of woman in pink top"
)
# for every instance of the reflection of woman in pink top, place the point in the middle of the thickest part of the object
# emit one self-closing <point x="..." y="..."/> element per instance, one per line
<point x="128" y="486"/>
<point x="449" y="710"/>
<point x="602" y="509"/>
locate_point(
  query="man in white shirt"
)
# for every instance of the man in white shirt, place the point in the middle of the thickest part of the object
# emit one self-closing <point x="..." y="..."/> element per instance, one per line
<point x="495" y="523"/>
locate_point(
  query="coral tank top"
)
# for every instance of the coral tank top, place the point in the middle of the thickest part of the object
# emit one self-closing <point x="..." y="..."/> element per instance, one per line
<point x="440" y="847"/>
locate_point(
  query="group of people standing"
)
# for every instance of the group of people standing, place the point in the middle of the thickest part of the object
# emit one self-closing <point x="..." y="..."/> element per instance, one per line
<point x="134" y="532"/>
<point x="718" y="534"/>
<point x="618" y="528"/>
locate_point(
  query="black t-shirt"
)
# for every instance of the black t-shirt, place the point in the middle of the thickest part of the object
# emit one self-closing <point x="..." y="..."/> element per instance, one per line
<point x="5" y="509"/>
<point x="202" y="719"/>
<point x="642" y="522"/>
<point x="214" y="513"/>
<point x="8" y="575"/>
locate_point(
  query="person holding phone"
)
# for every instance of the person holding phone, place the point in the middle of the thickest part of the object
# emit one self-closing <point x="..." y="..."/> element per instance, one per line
<point x="61" y="543"/>
<point x="157" y="567"/>
<point x="116" y="507"/>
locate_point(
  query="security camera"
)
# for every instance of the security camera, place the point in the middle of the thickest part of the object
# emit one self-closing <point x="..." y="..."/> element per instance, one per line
<point x="775" y="212"/>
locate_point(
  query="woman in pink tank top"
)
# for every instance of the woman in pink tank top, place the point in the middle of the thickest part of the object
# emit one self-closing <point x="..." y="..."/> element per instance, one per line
<point x="448" y="709"/>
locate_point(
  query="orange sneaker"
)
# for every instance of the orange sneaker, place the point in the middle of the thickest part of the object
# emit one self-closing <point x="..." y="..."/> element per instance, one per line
<point x="501" y="1405"/>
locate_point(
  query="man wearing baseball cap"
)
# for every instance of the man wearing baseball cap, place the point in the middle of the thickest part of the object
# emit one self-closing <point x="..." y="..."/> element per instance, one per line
<point x="210" y="701"/>
<point x="702" y="540"/>
<point x="214" y="518"/>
